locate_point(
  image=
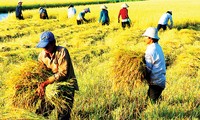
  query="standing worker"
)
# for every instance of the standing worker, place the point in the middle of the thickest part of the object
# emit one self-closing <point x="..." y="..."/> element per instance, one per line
<point x="57" y="59"/>
<point x="18" y="11"/>
<point x="155" y="64"/>
<point x="104" y="17"/>
<point x="163" y="22"/>
<point x="71" y="11"/>
<point x="43" y="13"/>
<point x="124" y="16"/>
<point x="81" y="16"/>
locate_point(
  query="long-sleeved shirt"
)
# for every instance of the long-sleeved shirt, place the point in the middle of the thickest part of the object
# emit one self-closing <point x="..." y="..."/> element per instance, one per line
<point x="104" y="16"/>
<point x="18" y="11"/>
<point x="165" y="18"/>
<point x="81" y="16"/>
<point x="60" y="64"/>
<point x="124" y="14"/>
<point x="155" y="63"/>
<point x="71" y="12"/>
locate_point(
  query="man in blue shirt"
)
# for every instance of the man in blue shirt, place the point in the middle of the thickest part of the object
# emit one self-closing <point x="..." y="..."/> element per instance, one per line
<point x="19" y="14"/>
<point x="104" y="16"/>
<point x="163" y="21"/>
<point x="155" y="64"/>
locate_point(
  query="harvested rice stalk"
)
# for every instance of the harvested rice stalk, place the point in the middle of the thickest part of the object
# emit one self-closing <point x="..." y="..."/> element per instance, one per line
<point x="27" y="79"/>
<point x="23" y="81"/>
<point x="128" y="69"/>
<point x="54" y="94"/>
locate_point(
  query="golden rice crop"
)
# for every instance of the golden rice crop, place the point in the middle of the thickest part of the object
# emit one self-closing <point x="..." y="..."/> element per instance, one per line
<point x="23" y="82"/>
<point x="128" y="69"/>
<point x="54" y="96"/>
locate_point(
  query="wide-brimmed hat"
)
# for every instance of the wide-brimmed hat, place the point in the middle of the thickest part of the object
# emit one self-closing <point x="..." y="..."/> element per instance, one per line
<point x="152" y="33"/>
<point x="169" y="11"/>
<point x="104" y="7"/>
<point x="124" y="5"/>
<point x="20" y="1"/>
<point x="45" y="38"/>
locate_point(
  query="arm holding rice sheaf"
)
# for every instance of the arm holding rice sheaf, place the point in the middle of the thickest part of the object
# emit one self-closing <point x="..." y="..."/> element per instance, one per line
<point x="57" y="59"/>
<point x="60" y="65"/>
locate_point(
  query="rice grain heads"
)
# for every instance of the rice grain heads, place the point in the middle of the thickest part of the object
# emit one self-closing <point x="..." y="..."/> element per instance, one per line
<point x="128" y="70"/>
<point x="21" y="84"/>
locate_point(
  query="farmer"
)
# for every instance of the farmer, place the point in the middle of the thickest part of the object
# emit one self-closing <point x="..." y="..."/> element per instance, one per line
<point x="81" y="16"/>
<point x="43" y="13"/>
<point x="124" y="16"/>
<point x="163" y="22"/>
<point x="18" y="11"/>
<point x="104" y="15"/>
<point x="155" y="64"/>
<point x="71" y="11"/>
<point x="58" y="60"/>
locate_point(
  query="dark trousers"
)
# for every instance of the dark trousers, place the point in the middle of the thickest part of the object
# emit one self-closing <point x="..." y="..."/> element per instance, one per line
<point x="164" y="27"/>
<point x="154" y="92"/>
<point x="79" y="22"/>
<point x="46" y="108"/>
<point x="20" y="17"/>
<point x="105" y="23"/>
<point x="124" y="24"/>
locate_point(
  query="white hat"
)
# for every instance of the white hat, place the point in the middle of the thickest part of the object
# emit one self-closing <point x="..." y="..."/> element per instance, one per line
<point x="152" y="33"/>
<point x="20" y="1"/>
<point x="124" y="5"/>
<point x="169" y="11"/>
<point x="103" y="7"/>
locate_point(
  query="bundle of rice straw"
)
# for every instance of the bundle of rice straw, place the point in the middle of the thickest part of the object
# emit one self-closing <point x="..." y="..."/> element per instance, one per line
<point x="23" y="81"/>
<point x="54" y="95"/>
<point x="128" y="70"/>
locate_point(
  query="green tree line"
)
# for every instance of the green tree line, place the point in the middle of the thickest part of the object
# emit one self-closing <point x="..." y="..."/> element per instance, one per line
<point x="6" y="9"/>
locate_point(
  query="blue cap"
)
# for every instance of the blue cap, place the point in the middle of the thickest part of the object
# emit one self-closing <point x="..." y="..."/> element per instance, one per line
<point x="45" y="38"/>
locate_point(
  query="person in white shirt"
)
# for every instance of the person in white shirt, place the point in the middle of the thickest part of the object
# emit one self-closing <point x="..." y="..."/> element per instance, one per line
<point x="81" y="16"/>
<point x="163" y="22"/>
<point x="155" y="64"/>
<point x="71" y="11"/>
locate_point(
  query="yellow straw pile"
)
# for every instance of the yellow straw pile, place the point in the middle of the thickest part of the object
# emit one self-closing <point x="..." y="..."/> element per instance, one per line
<point x="22" y="83"/>
<point x="128" y="70"/>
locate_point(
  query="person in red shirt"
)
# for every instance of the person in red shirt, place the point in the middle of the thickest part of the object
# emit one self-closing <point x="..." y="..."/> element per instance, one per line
<point x="124" y="16"/>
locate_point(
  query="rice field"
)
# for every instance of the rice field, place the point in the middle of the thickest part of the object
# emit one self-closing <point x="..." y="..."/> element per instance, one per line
<point x="96" y="52"/>
<point x="9" y="6"/>
<point x="43" y="2"/>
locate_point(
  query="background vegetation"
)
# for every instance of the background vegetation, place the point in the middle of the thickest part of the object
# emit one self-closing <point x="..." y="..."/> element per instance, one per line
<point x="94" y="49"/>
<point x="10" y="5"/>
